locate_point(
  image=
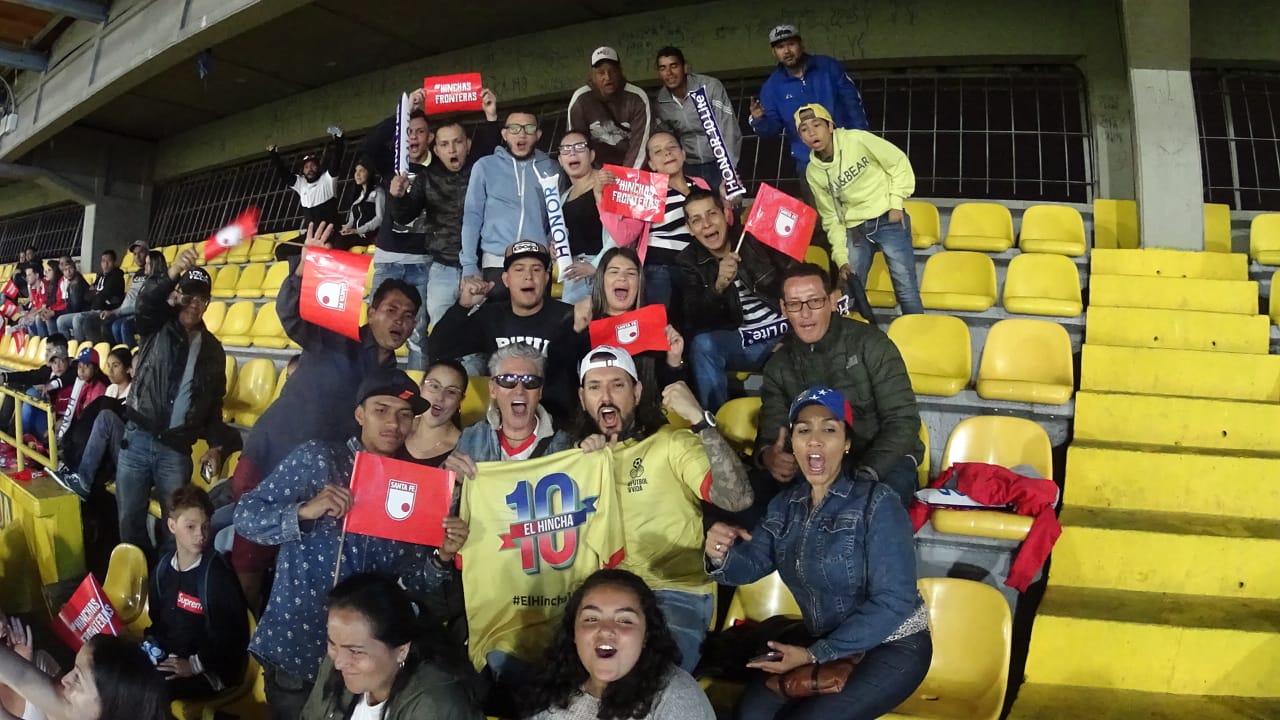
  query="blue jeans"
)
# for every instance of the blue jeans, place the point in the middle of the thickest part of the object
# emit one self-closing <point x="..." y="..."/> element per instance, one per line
<point x="88" y="326"/>
<point x="708" y="171"/>
<point x="121" y="331"/>
<point x="442" y="290"/>
<point x="104" y="441"/>
<point x="415" y="274"/>
<point x="143" y="462"/>
<point x="882" y="681"/>
<point x="894" y="240"/>
<point x="67" y="324"/>
<point x="661" y="286"/>
<point x="35" y="421"/>
<point x="717" y="352"/>
<point x="688" y="616"/>
<point x="44" y="328"/>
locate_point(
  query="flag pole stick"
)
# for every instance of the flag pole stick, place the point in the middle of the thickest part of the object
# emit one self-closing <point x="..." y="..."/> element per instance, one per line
<point x="342" y="539"/>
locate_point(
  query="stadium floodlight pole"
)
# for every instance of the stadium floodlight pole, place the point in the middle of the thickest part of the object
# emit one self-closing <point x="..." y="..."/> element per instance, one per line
<point x="78" y="9"/>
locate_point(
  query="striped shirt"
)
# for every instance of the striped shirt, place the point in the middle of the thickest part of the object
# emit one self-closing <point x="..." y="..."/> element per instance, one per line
<point x="670" y="235"/>
<point x="754" y="310"/>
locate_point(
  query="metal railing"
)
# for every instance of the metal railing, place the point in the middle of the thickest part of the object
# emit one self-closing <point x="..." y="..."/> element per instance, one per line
<point x="1236" y="114"/>
<point x="52" y="231"/>
<point x="48" y="460"/>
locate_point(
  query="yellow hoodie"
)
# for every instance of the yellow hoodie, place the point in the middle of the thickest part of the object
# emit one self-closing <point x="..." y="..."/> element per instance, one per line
<point x="867" y="177"/>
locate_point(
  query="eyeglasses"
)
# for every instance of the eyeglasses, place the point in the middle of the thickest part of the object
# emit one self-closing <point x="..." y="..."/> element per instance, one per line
<point x="449" y="391"/>
<point x="508" y="381"/>
<point x="516" y="129"/>
<point x="573" y="148"/>
<point x="812" y="303"/>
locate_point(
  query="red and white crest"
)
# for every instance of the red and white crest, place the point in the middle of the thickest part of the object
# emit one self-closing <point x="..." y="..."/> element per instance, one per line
<point x="332" y="295"/>
<point x="400" y="498"/>
<point x="785" y="222"/>
<point x="628" y="332"/>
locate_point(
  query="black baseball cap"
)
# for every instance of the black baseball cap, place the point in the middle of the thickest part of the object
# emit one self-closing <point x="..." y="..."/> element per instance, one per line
<point x="196" y="281"/>
<point x="393" y="382"/>
<point x="524" y="249"/>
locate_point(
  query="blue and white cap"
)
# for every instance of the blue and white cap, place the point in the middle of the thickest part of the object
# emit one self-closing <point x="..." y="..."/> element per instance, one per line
<point x="830" y="399"/>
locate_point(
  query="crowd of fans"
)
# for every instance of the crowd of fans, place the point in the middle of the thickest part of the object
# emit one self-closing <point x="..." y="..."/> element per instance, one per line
<point x="462" y="276"/>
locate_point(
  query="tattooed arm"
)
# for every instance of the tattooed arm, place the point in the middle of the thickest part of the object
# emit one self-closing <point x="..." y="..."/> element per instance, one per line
<point x="726" y="484"/>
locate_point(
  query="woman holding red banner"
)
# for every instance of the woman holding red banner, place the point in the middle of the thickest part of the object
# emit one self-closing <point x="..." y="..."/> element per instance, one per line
<point x="112" y="680"/>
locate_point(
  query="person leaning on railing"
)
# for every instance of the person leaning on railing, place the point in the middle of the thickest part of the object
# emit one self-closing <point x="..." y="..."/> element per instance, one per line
<point x="53" y="382"/>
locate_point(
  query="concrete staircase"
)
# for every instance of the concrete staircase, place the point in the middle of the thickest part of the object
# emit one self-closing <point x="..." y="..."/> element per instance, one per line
<point x="1164" y="590"/>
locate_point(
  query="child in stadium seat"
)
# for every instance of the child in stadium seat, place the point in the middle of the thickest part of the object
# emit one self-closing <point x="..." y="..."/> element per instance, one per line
<point x="97" y="431"/>
<point x="613" y="656"/>
<point x="199" y="631"/>
<point x="53" y="382"/>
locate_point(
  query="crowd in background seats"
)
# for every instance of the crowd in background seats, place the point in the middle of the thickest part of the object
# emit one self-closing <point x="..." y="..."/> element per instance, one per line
<point x="462" y="277"/>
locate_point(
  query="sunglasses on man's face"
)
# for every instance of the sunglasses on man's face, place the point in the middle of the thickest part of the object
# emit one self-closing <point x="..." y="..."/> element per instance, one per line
<point x="508" y="381"/>
<point x="516" y="129"/>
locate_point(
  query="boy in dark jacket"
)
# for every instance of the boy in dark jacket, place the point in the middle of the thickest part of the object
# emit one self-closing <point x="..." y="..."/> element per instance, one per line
<point x="54" y="382"/>
<point x="199" y="633"/>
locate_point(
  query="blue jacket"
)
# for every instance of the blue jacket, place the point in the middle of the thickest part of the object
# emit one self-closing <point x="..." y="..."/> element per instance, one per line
<point x="504" y="204"/>
<point x="291" y="635"/>
<point x="825" y="82"/>
<point x="824" y="561"/>
<point x="480" y="441"/>
<point x="319" y="401"/>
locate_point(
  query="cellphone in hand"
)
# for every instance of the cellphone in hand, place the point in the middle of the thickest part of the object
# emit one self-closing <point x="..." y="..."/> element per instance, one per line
<point x="771" y="656"/>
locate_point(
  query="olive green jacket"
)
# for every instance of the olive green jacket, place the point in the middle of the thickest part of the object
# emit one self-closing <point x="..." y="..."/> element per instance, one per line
<point x="429" y="693"/>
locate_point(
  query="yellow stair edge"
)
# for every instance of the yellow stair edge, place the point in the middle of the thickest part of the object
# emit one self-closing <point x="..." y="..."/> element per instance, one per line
<point x="1039" y="701"/>
<point x="1156" y="262"/>
<point x="1177" y="422"/>
<point x="1178" y="329"/>
<point x="1206" y="612"/>
<point x="1168" y="293"/>
<point x="1189" y="373"/>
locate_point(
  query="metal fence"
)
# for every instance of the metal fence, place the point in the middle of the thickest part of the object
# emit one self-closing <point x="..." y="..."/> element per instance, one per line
<point x="52" y="231"/>
<point x="1008" y="133"/>
<point x="1239" y="139"/>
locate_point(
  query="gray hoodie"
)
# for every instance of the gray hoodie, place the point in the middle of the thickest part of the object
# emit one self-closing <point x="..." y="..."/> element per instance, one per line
<point x="504" y="204"/>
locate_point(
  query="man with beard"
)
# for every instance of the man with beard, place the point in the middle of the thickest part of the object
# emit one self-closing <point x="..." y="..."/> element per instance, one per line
<point x="663" y="477"/>
<point x="613" y="111"/>
<point x="525" y="316"/>
<point x="317" y="190"/>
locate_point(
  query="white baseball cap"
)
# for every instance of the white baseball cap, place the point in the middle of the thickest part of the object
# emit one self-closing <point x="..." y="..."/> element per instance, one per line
<point x="604" y="53"/>
<point x="607" y="356"/>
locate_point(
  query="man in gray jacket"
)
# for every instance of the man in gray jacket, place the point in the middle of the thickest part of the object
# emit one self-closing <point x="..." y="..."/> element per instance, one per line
<point x="678" y="111"/>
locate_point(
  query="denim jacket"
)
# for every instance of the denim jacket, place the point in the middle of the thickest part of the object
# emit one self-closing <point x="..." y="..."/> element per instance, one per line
<point x="823" y="558"/>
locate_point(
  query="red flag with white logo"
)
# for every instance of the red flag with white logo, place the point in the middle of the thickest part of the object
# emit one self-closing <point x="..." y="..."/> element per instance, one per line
<point x="244" y="227"/>
<point x="86" y="614"/>
<point x="781" y="221"/>
<point x="11" y="290"/>
<point x="399" y="500"/>
<point x="635" y="331"/>
<point x="452" y="93"/>
<point x="333" y="286"/>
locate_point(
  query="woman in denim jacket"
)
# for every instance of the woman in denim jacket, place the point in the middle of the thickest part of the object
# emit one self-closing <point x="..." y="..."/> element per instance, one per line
<point x="845" y="549"/>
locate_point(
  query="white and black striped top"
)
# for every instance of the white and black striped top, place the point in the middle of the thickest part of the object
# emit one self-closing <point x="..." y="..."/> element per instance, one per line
<point x="670" y="235"/>
<point x="754" y="310"/>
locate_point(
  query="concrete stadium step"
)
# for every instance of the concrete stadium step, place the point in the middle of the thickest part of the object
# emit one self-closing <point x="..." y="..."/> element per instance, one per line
<point x="1039" y="701"/>
<point x="1155" y="643"/>
<point x="1190" y="373"/>
<point x="1226" y="296"/>
<point x="1170" y="263"/>
<point x="1178" y="329"/>
<point x="1168" y="553"/>
<point x="1158" y="479"/>
<point x="1175" y="422"/>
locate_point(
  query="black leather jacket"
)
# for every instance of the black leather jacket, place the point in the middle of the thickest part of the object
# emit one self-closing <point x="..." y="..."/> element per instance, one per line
<point x="705" y="308"/>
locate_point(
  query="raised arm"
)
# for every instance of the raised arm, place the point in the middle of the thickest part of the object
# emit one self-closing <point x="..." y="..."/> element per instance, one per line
<point x="282" y="170"/>
<point x="333" y="159"/>
<point x="724" y="483"/>
<point x="33" y="685"/>
<point x="288" y="299"/>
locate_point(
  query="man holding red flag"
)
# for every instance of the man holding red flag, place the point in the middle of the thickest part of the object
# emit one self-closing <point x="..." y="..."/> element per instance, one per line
<point x="300" y="507"/>
<point x="317" y="401"/>
<point x="731" y="298"/>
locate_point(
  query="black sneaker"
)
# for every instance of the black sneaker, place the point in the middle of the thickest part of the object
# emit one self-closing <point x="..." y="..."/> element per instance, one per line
<point x="72" y="482"/>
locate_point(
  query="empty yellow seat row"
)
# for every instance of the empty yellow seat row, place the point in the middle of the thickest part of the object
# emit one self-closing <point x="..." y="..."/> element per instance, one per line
<point x="256" y="280"/>
<point x="1036" y="284"/>
<point x="988" y="227"/>
<point x="244" y="323"/>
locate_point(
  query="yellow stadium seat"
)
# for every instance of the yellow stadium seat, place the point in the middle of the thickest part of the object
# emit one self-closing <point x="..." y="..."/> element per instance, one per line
<point x="972" y="640"/>
<point x="33" y="354"/>
<point x="224" y="281"/>
<point x="1000" y="440"/>
<point x="982" y="226"/>
<point x="922" y="469"/>
<point x="73" y="347"/>
<point x="1264" y="239"/>
<point x="1038" y="284"/>
<point x="1052" y="229"/>
<point x="237" y="323"/>
<point x="251" y="705"/>
<point x="90" y="277"/>
<point x="128" y="264"/>
<point x="267" y="330"/>
<point x="738" y="421"/>
<point x="1217" y="227"/>
<point x="209" y="707"/>
<point x="229" y="372"/>
<point x="274" y="278"/>
<point x="214" y="315"/>
<point x="416" y="375"/>
<point x="926" y="225"/>
<point x="229" y="465"/>
<point x="249" y="285"/>
<point x="289" y="236"/>
<point x="360" y="249"/>
<point x="1273" y="301"/>
<point x="958" y="280"/>
<point x="126" y="582"/>
<point x="255" y="382"/>
<point x="239" y="254"/>
<point x="1027" y="361"/>
<point x="250" y="417"/>
<point x="170" y="253"/>
<point x="476" y="401"/>
<point x="199" y="248"/>
<point x="937" y="351"/>
<point x="1115" y="224"/>
<point x="816" y="255"/>
<point x="761" y="600"/>
<point x="103" y="349"/>
<point x="879" y="286"/>
<point x="262" y="249"/>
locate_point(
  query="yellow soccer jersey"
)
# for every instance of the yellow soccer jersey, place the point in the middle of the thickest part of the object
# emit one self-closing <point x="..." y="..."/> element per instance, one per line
<point x="538" y="529"/>
<point x="660" y="481"/>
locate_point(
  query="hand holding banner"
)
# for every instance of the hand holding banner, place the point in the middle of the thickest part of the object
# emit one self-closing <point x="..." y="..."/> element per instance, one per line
<point x="636" y="331"/>
<point x="402" y="135"/>
<point x="86" y="614"/>
<point x="242" y="228"/>
<point x="637" y="193"/>
<point x="781" y="222"/>
<point x="733" y="187"/>
<point x="555" y="220"/>
<point x="452" y="93"/>
<point x="399" y="500"/>
<point x="333" y="288"/>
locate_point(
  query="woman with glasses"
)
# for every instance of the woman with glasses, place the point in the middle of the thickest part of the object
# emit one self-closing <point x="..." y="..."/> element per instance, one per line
<point x="436" y="431"/>
<point x="587" y="236"/>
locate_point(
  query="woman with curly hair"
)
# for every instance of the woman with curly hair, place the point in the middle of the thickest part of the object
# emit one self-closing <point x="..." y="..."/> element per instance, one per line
<point x="613" y="658"/>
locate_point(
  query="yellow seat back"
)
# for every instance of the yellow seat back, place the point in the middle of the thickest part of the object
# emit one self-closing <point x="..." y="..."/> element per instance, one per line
<point x="959" y="280"/>
<point x="1000" y="440"/>
<point x="128" y="264"/>
<point x="103" y="349"/>
<point x="816" y="255"/>
<point x="238" y="254"/>
<point x="1115" y="224"/>
<point x="1273" y="301"/>
<point x="761" y="600"/>
<point x="1264" y="239"/>
<point x="922" y="469"/>
<point x="1027" y="361"/>
<point x="267" y="330"/>
<point x="238" y="320"/>
<point x="937" y="351"/>
<point x="1052" y="229"/>
<point x="224" y="281"/>
<point x="274" y="278"/>
<point x="476" y="401"/>
<point x="982" y="226"/>
<point x="255" y="383"/>
<point x="926" y="224"/>
<point x="170" y="253"/>
<point x="263" y="249"/>
<point x="879" y="286"/>
<point x="1217" y="227"/>
<point x="250" y="283"/>
<point x="214" y="315"/>
<point x="1040" y="284"/>
<point x="739" y="420"/>
<point x="126" y="582"/>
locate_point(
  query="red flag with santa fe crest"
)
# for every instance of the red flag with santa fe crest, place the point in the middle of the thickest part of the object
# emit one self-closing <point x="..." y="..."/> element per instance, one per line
<point x="333" y="285"/>
<point x="781" y="222"/>
<point x="635" y="331"/>
<point x="399" y="500"/>
<point x="241" y="229"/>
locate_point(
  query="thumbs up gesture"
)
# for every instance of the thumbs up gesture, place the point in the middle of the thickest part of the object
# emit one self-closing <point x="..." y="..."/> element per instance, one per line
<point x="780" y="463"/>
